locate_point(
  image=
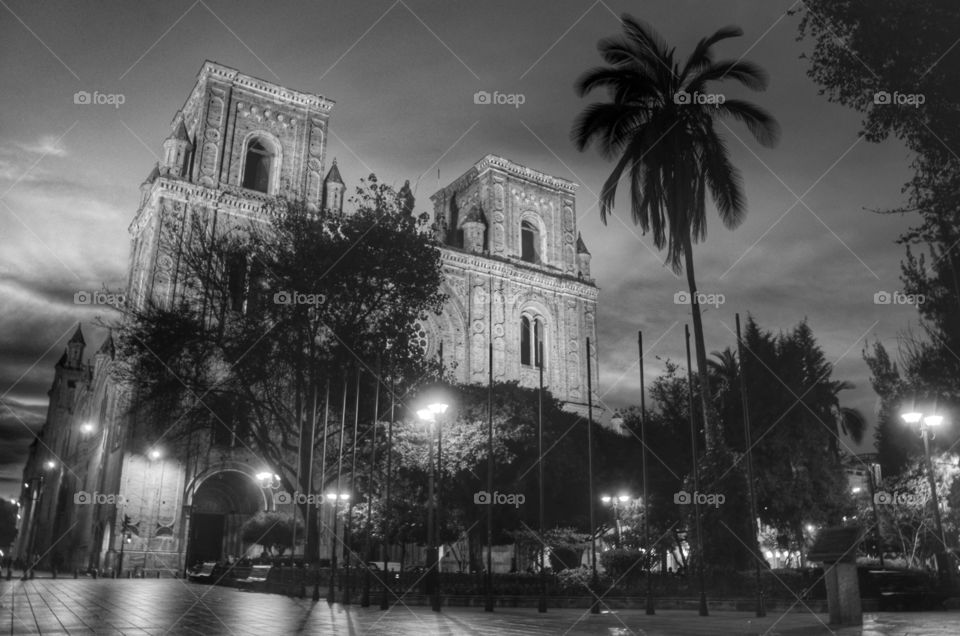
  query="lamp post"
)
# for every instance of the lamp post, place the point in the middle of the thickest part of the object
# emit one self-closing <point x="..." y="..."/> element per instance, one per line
<point x="616" y="502"/>
<point x="430" y="415"/>
<point x="928" y="425"/>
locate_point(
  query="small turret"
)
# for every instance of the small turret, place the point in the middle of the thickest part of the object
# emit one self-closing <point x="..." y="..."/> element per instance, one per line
<point x="333" y="190"/>
<point x="473" y="226"/>
<point x="176" y="152"/>
<point x="583" y="258"/>
<point x="107" y="348"/>
<point x="75" y="346"/>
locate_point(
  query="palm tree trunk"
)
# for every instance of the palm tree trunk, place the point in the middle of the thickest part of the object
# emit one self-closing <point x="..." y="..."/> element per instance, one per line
<point x="708" y="432"/>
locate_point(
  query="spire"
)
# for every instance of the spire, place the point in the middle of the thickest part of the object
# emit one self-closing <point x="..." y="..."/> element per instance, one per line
<point x="334" y="175"/>
<point x="581" y="246"/>
<point x="77" y="336"/>
<point x="153" y="174"/>
<point x="180" y="134"/>
<point x="107" y="348"/>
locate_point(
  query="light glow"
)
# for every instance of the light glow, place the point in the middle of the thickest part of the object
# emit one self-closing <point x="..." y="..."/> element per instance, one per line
<point x="911" y="417"/>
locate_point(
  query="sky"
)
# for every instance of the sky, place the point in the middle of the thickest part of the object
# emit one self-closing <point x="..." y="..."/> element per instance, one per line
<point x="404" y="74"/>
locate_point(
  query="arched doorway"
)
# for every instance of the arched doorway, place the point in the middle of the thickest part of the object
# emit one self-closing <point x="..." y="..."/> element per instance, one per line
<point x="220" y="506"/>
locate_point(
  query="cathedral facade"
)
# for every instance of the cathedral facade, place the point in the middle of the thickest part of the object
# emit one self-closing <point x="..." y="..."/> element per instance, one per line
<point x="517" y="277"/>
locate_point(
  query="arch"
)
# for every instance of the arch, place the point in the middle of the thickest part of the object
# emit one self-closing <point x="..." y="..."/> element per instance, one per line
<point x="261" y="161"/>
<point x="533" y="238"/>
<point x="219" y="500"/>
<point x="533" y="338"/>
<point x="226" y="467"/>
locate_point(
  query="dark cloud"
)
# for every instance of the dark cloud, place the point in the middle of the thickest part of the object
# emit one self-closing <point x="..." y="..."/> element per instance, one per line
<point x="405" y="110"/>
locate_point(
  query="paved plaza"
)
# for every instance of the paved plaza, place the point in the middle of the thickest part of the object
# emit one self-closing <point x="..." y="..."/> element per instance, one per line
<point x="174" y="606"/>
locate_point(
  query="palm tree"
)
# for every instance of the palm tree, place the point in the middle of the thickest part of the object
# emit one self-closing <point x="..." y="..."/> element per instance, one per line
<point x="661" y="127"/>
<point x="843" y="419"/>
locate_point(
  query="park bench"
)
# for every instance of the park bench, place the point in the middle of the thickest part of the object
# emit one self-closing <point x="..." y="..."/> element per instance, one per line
<point x="257" y="579"/>
<point x="204" y="573"/>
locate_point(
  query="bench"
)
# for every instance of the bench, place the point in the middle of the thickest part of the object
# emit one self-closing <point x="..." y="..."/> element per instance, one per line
<point x="204" y="573"/>
<point x="257" y="577"/>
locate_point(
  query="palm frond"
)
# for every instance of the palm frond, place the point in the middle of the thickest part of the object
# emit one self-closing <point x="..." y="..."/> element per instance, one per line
<point x="701" y="56"/>
<point x="759" y="122"/>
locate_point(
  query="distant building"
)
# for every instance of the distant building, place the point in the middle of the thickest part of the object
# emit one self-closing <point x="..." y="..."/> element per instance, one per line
<point x="517" y="272"/>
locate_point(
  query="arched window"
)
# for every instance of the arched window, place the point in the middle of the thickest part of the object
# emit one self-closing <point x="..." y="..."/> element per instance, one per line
<point x="529" y="242"/>
<point x="258" y="166"/>
<point x="531" y="341"/>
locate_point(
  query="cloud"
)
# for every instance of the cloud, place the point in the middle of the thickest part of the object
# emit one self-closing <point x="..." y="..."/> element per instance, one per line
<point x="46" y="145"/>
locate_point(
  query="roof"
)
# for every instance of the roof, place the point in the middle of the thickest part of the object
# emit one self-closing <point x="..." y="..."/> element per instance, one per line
<point x="334" y="175"/>
<point x="581" y="246"/>
<point x="78" y="336"/>
<point x="107" y="347"/>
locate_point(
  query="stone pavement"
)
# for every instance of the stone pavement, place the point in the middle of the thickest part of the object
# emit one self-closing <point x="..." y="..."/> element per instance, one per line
<point x="175" y="606"/>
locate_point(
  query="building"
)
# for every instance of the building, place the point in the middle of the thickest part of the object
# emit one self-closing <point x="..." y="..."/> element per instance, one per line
<point x="517" y="273"/>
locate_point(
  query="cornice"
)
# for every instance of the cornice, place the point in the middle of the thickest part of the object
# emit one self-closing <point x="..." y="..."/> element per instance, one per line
<point x="525" y="173"/>
<point x="557" y="283"/>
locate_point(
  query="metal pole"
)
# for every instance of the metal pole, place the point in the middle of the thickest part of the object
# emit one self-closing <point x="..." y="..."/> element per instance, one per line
<point x="761" y="609"/>
<point x="336" y="499"/>
<point x="435" y="602"/>
<point x="872" y="489"/>
<point x="365" y="595"/>
<point x="594" y="579"/>
<point x="323" y="477"/>
<point x="696" y="478"/>
<point x="646" y="508"/>
<point x="299" y="485"/>
<point x="384" y="604"/>
<point x="431" y="553"/>
<point x="542" y="603"/>
<point x="348" y="530"/>
<point x="488" y="582"/>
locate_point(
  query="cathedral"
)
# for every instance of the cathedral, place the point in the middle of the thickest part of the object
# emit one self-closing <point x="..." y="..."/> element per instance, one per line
<point x="516" y="275"/>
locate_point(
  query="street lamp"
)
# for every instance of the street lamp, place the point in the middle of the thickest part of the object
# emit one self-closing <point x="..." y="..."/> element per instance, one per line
<point x="616" y="502"/>
<point x="430" y="415"/>
<point x="928" y="425"/>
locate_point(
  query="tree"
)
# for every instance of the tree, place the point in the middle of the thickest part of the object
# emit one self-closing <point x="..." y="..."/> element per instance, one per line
<point x="661" y="126"/>
<point x="262" y="313"/>
<point x="896" y="61"/>
<point x="273" y="530"/>
<point x="897" y="442"/>
<point x="904" y="512"/>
